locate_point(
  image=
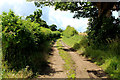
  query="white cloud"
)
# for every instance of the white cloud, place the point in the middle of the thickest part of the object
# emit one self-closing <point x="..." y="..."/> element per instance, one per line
<point x="11" y="2"/>
<point x="60" y="18"/>
<point x="64" y="18"/>
<point x="20" y="7"/>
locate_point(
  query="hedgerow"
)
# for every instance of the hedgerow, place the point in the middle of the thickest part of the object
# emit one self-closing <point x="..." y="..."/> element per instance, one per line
<point x="22" y="39"/>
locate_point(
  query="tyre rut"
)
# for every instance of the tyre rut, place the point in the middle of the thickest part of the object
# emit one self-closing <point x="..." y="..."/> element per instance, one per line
<point x="84" y="68"/>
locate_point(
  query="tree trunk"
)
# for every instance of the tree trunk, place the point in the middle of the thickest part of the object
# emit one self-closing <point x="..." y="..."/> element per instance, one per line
<point x="105" y="8"/>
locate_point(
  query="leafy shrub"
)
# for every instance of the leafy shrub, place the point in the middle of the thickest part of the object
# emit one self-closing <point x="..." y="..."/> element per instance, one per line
<point x="69" y="32"/>
<point x="83" y="43"/>
<point x="23" y="42"/>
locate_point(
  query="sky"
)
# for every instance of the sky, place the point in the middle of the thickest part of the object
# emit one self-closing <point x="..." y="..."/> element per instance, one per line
<point x="60" y="18"/>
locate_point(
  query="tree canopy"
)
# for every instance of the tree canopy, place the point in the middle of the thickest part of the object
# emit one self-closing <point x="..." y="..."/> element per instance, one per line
<point x="53" y="27"/>
<point x="36" y="17"/>
<point x="84" y="9"/>
<point x="100" y="17"/>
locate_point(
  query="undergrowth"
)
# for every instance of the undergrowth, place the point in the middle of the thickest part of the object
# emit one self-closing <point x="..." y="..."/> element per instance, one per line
<point x="35" y="64"/>
<point x="105" y="55"/>
<point x="24" y="43"/>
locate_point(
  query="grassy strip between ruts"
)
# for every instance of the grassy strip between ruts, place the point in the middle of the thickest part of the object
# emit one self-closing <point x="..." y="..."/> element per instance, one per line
<point x="69" y="63"/>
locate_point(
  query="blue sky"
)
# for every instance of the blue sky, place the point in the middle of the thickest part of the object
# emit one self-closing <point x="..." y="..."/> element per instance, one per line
<point x="60" y="18"/>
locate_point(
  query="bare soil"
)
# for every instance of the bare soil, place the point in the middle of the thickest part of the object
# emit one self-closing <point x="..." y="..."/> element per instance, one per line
<point x="84" y="67"/>
<point x="56" y="64"/>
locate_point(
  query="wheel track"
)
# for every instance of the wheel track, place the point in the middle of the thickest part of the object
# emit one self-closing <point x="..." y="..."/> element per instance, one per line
<point x="85" y="68"/>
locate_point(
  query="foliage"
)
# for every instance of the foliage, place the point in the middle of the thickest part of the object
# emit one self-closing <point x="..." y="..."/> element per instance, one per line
<point x="101" y="30"/>
<point x="81" y="9"/>
<point x="82" y="43"/>
<point x="0" y="48"/>
<point x="36" y="18"/>
<point x="53" y="27"/>
<point x="71" y="41"/>
<point x="24" y="42"/>
<point x="69" y="32"/>
<point x="99" y="24"/>
<point x="107" y="56"/>
<point x="60" y="30"/>
<point x="76" y="41"/>
<point x="104" y="55"/>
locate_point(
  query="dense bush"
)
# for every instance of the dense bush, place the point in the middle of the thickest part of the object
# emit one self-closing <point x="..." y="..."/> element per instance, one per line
<point x="69" y="32"/>
<point x="23" y="40"/>
<point x="83" y="43"/>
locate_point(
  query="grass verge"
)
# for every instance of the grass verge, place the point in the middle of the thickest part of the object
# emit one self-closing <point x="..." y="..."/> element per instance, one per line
<point x="106" y="56"/>
<point x="107" y="59"/>
<point x="69" y="63"/>
<point x="72" y="40"/>
<point x="75" y="41"/>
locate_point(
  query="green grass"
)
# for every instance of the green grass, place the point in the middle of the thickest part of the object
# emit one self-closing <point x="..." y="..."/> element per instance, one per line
<point x="72" y="40"/>
<point x="108" y="59"/>
<point x="69" y="63"/>
<point x="106" y="56"/>
<point x="75" y="42"/>
<point x="23" y="73"/>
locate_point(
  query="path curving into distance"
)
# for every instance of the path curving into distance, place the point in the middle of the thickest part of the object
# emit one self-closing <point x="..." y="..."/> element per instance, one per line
<point x="84" y="67"/>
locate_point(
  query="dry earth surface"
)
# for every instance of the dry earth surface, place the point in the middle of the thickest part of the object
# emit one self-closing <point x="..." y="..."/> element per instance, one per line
<point x="84" y="67"/>
<point x="56" y="64"/>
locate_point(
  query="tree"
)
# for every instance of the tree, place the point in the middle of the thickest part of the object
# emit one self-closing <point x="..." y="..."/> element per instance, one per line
<point x="83" y="9"/>
<point x="36" y="18"/>
<point x="98" y="12"/>
<point x="53" y="27"/>
<point x="70" y="31"/>
<point x="60" y="30"/>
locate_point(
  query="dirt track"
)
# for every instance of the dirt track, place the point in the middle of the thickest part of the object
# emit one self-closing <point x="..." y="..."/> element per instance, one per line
<point x="56" y="64"/>
<point x="84" y="67"/>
